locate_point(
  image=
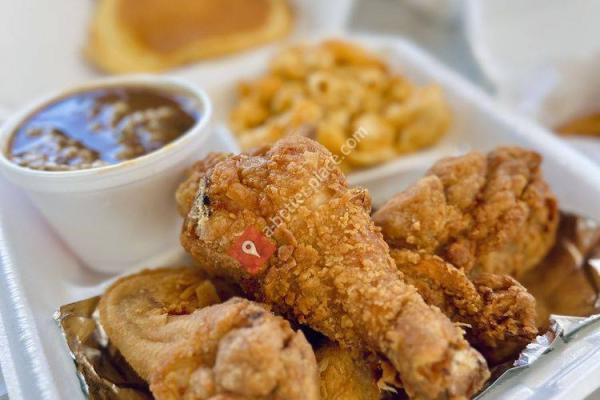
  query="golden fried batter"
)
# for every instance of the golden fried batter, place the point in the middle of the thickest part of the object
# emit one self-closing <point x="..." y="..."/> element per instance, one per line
<point x="494" y="214"/>
<point x="498" y="313"/>
<point x="186" y="192"/>
<point x="507" y="320"/>
<point x="163" y="323"/>
<point x="457" y="232"/>
<point x="331" y="268"/>
<point x="343" y="377"/>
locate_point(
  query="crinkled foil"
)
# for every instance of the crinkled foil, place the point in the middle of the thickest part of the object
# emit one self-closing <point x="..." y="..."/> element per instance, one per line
<point x="102" y="371"/>
<point x="567" y="281"/>
<point x="566" y="286"/>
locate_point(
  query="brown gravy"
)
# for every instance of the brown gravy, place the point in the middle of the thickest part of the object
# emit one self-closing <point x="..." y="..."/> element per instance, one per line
<point x="100" y="127"/>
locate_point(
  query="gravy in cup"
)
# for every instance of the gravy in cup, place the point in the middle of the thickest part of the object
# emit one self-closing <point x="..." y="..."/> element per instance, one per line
<point x="100" y="127"/>
<point x="101" y="162"/>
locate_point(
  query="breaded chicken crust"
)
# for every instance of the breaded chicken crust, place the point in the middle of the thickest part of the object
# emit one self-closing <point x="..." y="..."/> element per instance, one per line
<point x="172" y="329"/>
<point x="343" y="377"/>
<point x="460" y="231"/>
<point x="187" y="191"/>
<point x="497" y="312"/>
<point x="491" y="213"/>
<point x="331" y="268"/>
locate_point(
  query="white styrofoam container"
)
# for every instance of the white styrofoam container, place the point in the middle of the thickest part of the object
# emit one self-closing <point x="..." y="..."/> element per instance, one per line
<point x="542" y="58"/>
<point x="38" y="274"/>
<point x="98" y="211"/>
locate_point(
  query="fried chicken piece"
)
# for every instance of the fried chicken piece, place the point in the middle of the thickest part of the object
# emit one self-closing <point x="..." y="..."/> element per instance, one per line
<point x="498" y="313"/>
<point x="346" y="375"/>
<point x="343" y="377"/>
<point x="483" y="215"/>
<point x="168" y="325"/>
<point x="507" y="321"/>
<point x="186" y="192"/>
<point x="331" y="268"/>
<point x="492" y="214"/>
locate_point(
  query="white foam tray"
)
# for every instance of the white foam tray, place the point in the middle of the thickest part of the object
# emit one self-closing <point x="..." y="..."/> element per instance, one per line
<point x="38" y="273"/>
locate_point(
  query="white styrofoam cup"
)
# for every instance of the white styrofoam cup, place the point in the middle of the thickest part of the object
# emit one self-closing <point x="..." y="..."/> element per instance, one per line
<point x="119" y="216"/>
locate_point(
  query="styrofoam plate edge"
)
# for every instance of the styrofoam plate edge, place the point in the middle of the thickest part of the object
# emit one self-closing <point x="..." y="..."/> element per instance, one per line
<point x="8" y="365"/>
<point x="22" y="329"/>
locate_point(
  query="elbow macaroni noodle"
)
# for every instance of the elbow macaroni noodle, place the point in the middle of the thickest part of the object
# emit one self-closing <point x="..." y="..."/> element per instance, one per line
<point x="334" y="89"/>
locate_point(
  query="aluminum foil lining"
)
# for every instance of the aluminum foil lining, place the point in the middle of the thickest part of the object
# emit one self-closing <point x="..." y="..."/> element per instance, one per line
<point x="103" y="372"/>
<point x="566" y="282"/>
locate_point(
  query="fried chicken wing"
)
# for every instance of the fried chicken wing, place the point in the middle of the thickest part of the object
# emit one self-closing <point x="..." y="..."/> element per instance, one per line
<point x="330" y="267"/>
<point x="170" y="326"/>
<point x="492" y="214"/>
<point x="460" y="230"/>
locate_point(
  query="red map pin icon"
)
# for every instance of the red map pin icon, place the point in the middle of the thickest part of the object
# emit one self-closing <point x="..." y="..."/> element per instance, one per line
<point x="252" y="250"/>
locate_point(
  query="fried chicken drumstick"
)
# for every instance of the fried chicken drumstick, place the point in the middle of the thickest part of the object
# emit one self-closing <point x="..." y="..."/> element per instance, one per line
<point x="459" y="232"/>
<point x="163" y="323"/>
<point x="330" y="268"/>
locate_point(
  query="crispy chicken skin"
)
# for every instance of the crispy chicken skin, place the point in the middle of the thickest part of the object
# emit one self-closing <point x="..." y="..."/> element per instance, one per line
<point x="331" y="268"/>
<point x="343" y="377"/>
<point x="491" y="213"/>
<point x="168" y="325"/>
<point x="186" y="192"/>
<point x="457" y="233"/>
<point x="498" y="313"/>
<point x="507" y="321"/>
